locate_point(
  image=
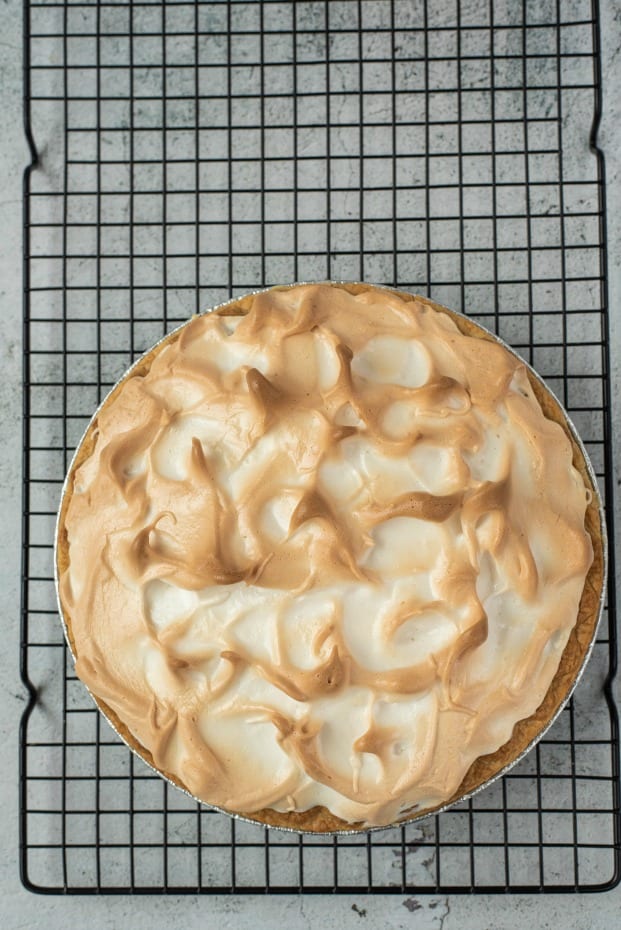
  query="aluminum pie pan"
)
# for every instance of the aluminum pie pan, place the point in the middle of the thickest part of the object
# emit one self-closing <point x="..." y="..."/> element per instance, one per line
<point x="133" y="744"/>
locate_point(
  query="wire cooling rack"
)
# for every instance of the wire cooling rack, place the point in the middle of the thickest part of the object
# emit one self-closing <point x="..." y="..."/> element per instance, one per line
<point x="184" y="152"/>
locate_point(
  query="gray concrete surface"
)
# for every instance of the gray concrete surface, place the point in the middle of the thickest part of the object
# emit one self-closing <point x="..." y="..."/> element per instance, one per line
<point x="19" y="909"/>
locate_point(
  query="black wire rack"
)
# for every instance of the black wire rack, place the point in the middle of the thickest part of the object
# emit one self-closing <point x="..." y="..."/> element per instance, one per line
<point x="185" y="152"/>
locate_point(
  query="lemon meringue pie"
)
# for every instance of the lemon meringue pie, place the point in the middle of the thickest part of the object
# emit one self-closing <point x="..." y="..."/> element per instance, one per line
<point x="329" y="557"/>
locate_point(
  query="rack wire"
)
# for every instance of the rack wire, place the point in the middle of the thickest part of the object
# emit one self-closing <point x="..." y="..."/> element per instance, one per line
<point x="185" y="152"/>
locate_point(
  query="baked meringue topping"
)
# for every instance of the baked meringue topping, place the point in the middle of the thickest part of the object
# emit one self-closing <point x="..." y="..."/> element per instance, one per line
<point x="324" y="553"/>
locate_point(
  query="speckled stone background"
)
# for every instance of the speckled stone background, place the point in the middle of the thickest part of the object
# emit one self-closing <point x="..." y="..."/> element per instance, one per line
<point x="19" y="909"/>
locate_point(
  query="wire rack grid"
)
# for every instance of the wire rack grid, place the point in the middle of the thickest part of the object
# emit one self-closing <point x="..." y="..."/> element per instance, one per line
<point x="186" y="152"/>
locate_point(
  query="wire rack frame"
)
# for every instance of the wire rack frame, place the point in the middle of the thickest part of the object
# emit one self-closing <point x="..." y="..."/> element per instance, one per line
<point x="190" y="151"/>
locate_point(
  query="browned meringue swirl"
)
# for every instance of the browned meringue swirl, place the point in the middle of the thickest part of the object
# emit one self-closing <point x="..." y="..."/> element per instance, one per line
<point x="326" y="552"/>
